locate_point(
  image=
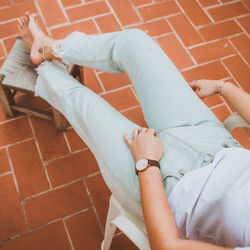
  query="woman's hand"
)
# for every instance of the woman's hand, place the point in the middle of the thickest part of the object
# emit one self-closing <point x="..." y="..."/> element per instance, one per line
<point x="145" y="144"/>
<point x="205" y="88"/>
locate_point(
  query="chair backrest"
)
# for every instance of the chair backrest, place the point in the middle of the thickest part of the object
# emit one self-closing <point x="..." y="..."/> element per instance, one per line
<point x="234" y="121"/>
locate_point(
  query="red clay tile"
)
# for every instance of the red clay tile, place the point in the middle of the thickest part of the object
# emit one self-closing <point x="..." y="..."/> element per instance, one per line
<point x="194" y="12"/>
<point x="124" y="12"/>
<point x="158" y="10"/>
<point x="245" y="23"/>
<point x="239" y="70"/>
<point x="16" y="11"/>
<point x="122" y="242"/>
<point x="87" y="10"/>
<point x="12" y="218"/>
<point x="242" y="43"/>
<point x="113" y="81"/>
<point x="185" y="30"/>
<point x="91" y="81"/>
<point x="28" y="168"/>
<point x="207" y="3"/>
<point x="2" y="53"/>
<point x="4" y="3"/>
<point x="173" y="48"/>
<point x="121" y="99"/>
<point x="52" y="12"/>
<point x="212" y="100"/>
<point x="56" y="204"/>
<point x="67" y="3"/>
<point x="227" y="11"/>
<point x="140" y="2"/>
<point x="51" y="142"/>
<point x="4" y="161"/>
<point x="221" y="112"/>
<point x="213" y="71"/>
<point x="75" y="142"/>
<point x="8" y="43"/>
<point x="84" y="231"/>
<point x="50" y="237"/>
<point x="155" y="28"/>
<point x="241" y="137"/>
<point x="247" y="4"/>
<point x="220" y="30"/>
<point x="212" y="51"/>
<point x="108" y="23"/>
<point x="100" y="195"/>
<point x="87" y="27"/>
<point x="8" y="29"/>
<point x="135" y="115"/>
<point x="72" y="167"/>
<point x="14" y="131"/>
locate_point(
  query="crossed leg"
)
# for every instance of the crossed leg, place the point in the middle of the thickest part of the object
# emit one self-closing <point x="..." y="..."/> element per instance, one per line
<point x="166" y="99"/>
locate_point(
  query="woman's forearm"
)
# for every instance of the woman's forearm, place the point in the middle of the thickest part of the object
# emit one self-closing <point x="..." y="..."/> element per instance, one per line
<point x="238" y="99"/>
<point x="160" y="223"/>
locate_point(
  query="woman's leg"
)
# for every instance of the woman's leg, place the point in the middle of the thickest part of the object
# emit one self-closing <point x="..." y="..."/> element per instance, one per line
<point x="98" y="124"/>
<point x="166" y="99"/>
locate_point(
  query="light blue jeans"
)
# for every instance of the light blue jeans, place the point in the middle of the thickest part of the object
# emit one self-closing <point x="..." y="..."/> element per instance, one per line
<point x="191" y="133"/>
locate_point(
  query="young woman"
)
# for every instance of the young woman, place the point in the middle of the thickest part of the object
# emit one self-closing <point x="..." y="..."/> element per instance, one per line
<point x="188" y="177"/>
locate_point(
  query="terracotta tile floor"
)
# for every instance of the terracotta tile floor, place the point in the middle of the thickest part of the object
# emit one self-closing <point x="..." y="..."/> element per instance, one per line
<point x="49" y="196"/>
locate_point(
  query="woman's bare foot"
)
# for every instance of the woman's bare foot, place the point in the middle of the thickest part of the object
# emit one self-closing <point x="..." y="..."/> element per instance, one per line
<point x="40" y="40"/>
<point x="24" y="31"/>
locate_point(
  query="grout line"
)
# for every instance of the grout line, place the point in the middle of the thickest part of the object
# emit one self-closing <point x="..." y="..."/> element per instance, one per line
<point x="190" y="21"/>
<point x="61" y="186"/>
<point x="17" y="189"/>
<point x="245" y="31"/>
<point x="99" y="80"/>
<point x="67" y="232"/>
<point x="39" y="152"/>
<point x="136" y="10"/>
<point x="65" y="155"/>
<point x="42" y="17"/>
<point x="93" y="205"/>
<point x="206" y="12"/>
<point x="113" y="12"/>
<point x="223" y="4"/>
<point x="231" y="75"/>
<point x="63" y="10"/>
<point x="12" y="119"/>
<point x="67" y="142"/>
<point x="114" y="90"/>
<point x="4" y="49"/>
<point x="15" y="143"/>
<point x="239" y="53"/>
<point x="182" y="44"/>
<point x="96" y="25"/>
<point x="6" y="173"/>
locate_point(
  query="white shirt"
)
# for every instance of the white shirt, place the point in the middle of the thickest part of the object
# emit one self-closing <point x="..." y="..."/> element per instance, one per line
<point x="212" y="204"/>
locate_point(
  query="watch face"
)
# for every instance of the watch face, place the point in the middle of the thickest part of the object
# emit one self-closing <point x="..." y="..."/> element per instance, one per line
<point x="141" y="164"/>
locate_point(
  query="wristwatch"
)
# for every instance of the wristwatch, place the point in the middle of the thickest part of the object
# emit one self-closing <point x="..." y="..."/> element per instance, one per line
<point x="142" y="164"/>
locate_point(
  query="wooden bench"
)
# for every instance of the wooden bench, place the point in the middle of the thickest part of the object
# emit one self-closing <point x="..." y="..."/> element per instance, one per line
<point x="18" y="74"/>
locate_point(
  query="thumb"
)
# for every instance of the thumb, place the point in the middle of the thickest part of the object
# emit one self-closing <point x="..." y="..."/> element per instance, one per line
<point x="195" y="84"/>
<point x="127" y="140"/>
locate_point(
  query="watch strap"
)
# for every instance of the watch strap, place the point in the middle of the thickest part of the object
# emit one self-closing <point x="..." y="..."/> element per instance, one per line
<point x="151" y="163"/>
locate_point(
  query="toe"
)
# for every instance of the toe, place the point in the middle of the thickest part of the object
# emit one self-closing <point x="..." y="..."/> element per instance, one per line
<point x="20" y="24"/>
<point x="26" y="20"/>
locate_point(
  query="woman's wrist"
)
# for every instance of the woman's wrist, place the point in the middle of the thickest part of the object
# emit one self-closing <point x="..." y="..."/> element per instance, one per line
<point x="221" y="86"/>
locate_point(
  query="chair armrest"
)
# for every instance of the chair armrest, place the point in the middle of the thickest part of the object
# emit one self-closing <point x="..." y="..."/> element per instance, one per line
<point x="234" y="121"/>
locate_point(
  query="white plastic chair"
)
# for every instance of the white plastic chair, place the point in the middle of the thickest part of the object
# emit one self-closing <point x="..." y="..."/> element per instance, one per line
<point x="133" y="226"/>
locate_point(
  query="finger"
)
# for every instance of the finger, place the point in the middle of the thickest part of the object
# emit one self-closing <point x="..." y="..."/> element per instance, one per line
<point x="20" y="23"/>
<point x="195" y="84"/>
<point x="135" y="132"/>
<point x="23" y="23"/>
<point x="19" y="27"/>
<point x="127" y="140"/>
<point x="151" y="131"/>
<point x="26" y="20"/>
